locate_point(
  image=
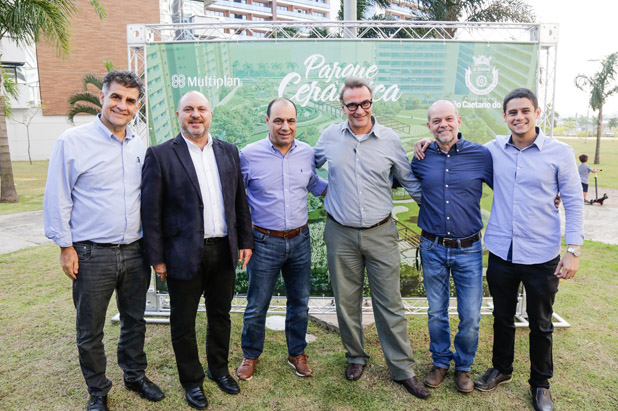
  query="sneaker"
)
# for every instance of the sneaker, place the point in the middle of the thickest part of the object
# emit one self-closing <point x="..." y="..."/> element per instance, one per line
<point x="299" y="363"/>
<point x="246" y="368"/>
<point x="435" y="377"/>
<point x="491" y="379"/>
<point x="463" y="382"/>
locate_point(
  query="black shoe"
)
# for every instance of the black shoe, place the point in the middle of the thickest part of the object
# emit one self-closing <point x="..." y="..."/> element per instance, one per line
<point x="226" y="383"/>
<point x="195" y="398"/>
<point x="97" y="403"/>
<point x="541" y="399"/>
<point x="415" y="387"/>
<point x="145" y="388"/>
<point x="491" y="379"/>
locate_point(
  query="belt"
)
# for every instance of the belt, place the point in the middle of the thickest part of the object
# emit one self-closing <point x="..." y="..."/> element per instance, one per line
<point x="104" y="245"/>
<point x="386" y="219"/>
<point x="283" y="234"/>
<point x="212" y="240"/>
<point x="452" y="242"/>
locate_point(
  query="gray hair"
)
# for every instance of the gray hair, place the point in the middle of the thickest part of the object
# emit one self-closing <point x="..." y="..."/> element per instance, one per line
<point x="354" y="82"/>
<point x="125" y="78"/>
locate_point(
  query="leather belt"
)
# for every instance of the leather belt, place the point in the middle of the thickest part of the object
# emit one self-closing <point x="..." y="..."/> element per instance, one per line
<point x="386" y="220"/>
<point x="104" y="245"/>
<point x="282" y="234"/>
<point x="452" y="242"/>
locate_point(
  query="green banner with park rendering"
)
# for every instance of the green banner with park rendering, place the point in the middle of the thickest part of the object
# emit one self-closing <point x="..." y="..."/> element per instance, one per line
<point x="241" y="78"/>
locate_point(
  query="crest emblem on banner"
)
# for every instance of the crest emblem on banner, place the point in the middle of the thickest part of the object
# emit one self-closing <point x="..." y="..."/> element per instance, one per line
<point x="482" y="77"/>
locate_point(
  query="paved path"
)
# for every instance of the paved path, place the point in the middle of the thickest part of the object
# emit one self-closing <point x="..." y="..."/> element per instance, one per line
<point x="25" y="230"/>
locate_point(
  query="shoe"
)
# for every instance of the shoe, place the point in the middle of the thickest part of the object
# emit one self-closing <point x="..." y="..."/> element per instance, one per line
<point x="463" y="382"/>
<point x="299" y="363"/>
<point x="491" y="379"/>
<point x="435" y="377"/>
<point x="227" y="384"/>
<point x="246" y="368"/>
<point x="354" y="371"/>
<point x="541" y="399"/>
<point x="414" y="387"/>
<point x="145" y="388"/>
<point x="97" y="403"/>
<point x="195" y="398"/>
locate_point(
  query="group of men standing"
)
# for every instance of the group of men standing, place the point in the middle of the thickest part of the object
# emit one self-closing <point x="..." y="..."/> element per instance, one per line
<point x="202" y="206"/>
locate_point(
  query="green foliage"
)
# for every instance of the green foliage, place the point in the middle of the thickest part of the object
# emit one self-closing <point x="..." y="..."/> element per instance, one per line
<point x="8" y="89"/>
<point x="87" y="101"/>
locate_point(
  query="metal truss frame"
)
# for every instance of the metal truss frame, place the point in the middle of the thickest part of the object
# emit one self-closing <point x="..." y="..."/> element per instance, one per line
<point x="545" y="35"/>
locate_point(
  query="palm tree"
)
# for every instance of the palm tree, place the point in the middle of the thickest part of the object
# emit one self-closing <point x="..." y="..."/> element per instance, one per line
<point x="86" y="101"/>
<point x="28" y="21"/>
<point x="601" y="86"/>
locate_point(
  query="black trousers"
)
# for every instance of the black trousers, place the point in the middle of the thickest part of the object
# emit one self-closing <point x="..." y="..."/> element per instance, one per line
<point x="541" y="287"/>
<point x="215" y="280"/>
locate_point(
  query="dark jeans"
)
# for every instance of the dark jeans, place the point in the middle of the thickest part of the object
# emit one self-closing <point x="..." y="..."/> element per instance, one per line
<point x="215" y="280"/>
<point x="541" y="287"/>
<point x="101" y="271"/>
<point x="292" y="258"/>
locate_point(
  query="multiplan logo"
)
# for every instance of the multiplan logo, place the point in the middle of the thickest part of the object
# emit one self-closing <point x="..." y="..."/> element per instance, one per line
<point x="182" y="81"/>
<point x="178" y="81"/>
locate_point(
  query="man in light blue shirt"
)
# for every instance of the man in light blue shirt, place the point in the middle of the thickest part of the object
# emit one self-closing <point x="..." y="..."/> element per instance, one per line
<point x="363" y="157"/>
<point x="91" y="209"/>
<point x="523" y="236"/>
<point x="278" y="171"/>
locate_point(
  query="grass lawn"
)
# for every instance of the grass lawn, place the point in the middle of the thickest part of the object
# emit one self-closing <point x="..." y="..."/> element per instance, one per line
<point x="609" y="158"/>
<point x="39" y="367"/>
<point x="30" y="185"/>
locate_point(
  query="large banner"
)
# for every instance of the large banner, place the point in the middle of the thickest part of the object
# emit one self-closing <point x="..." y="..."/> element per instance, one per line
<point x="241" y="78"/>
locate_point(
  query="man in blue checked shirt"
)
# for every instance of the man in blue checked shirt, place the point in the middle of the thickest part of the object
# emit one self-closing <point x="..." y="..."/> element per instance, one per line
<point x="91" y="210"/>
<point x="452" y="176"/>
<point x="278" y="171"/>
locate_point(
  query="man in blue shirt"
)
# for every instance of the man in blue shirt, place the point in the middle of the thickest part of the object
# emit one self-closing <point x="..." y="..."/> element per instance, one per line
<point x="278" y="171"/>
<point x="452" y="176"/>
<point x="363" y="157"/>
<point x="523" y="236"/>
<point x="91" y="210"/>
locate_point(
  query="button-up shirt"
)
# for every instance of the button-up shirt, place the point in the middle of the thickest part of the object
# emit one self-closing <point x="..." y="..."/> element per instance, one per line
<point x="526" y="182"/>
<point x="93" y="187"/>
<point x="277" y="185"/>
<point x="360" y="173"/>
<point x="210" y="187"/>
<point x="452" y="185"/>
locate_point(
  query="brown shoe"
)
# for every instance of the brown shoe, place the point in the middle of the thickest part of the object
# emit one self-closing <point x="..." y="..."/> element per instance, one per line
<point x="435" y="377"/>
<point x="463" y="382"/>
<point x="246" y="368"/>
<point x="354" y="371"/>
<point x="299" y="363"/>
<point x="414" y="387"/>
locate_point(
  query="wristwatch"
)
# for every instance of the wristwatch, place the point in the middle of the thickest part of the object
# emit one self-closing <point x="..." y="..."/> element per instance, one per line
<point x="575" y="251"/>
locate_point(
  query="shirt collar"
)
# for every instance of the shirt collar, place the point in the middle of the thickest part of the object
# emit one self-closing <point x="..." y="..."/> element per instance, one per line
<point x="457" y="146"/>
<point x="275" y="149"/>
<point x="539" y="141"/>
<point x="375" y="130"/>
<point x="193" y="147"/>
<point x="108" y="133"/>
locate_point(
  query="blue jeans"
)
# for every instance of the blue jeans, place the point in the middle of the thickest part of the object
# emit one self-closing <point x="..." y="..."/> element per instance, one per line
<point x="291" y="257"/>
<point x="466" y="266"/>
<point x="101" y="271"/>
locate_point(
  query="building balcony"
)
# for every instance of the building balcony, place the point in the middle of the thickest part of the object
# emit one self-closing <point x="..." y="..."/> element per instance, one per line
<point x="307" y="3"/>
<point x="233" y="6"/>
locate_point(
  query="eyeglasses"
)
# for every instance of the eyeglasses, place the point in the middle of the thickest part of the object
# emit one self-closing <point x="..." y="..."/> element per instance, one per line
<point x="364" y="105"/>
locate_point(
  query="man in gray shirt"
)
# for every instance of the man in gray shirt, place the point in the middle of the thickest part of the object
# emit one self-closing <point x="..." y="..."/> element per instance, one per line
<point x="360" y="234"/>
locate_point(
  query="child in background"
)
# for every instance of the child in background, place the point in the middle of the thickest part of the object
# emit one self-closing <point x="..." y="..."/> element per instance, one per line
<point x="584" y="173"/>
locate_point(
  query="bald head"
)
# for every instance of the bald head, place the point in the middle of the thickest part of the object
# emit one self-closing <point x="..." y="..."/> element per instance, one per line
<point x="443" y="121"/>
<point x="194" y="116"/>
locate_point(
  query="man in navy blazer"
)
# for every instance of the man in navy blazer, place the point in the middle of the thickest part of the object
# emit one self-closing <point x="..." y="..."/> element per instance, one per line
<point x="195" y="219"/>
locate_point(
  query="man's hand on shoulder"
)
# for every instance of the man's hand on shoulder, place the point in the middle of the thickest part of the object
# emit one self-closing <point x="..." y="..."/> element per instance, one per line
<point x="69" y="262"/>
<point x="244" y="256"/>
<point x="420" y="146"/>
<point x="567" y="267"/>
<point x="161" y="270"/>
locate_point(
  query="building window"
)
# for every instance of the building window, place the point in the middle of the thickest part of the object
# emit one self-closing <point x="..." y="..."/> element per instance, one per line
<point x="260" y="4"/>
<point x="301" y="11"/>
<point x="317" y="13"/>
<point x="282" y="8"/>
<point x="215" y="13"/>
<point x="256" y="18"/>
<point x="239" y="16"/>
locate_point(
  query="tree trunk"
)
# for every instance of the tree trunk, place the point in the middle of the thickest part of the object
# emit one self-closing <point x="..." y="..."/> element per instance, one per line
<point x="8" y="194"/>
<point x="597" y="151"/>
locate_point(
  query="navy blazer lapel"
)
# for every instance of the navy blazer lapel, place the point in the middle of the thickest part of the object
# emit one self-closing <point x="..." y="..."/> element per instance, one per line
<point x="182" y="151"/>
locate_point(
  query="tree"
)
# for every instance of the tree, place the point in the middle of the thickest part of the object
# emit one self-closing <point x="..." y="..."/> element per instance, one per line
<point x="601" y="86"/>
<point x="86" y="101"/>
<point x="28" y="21"/>
<point x="26" y="120"/>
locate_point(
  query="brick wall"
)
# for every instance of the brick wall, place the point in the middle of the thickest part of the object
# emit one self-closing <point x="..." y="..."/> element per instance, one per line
<point x="93" y="40"/>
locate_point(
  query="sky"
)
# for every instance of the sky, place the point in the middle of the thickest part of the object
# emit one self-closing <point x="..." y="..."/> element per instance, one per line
<point x="587" y="31"/>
